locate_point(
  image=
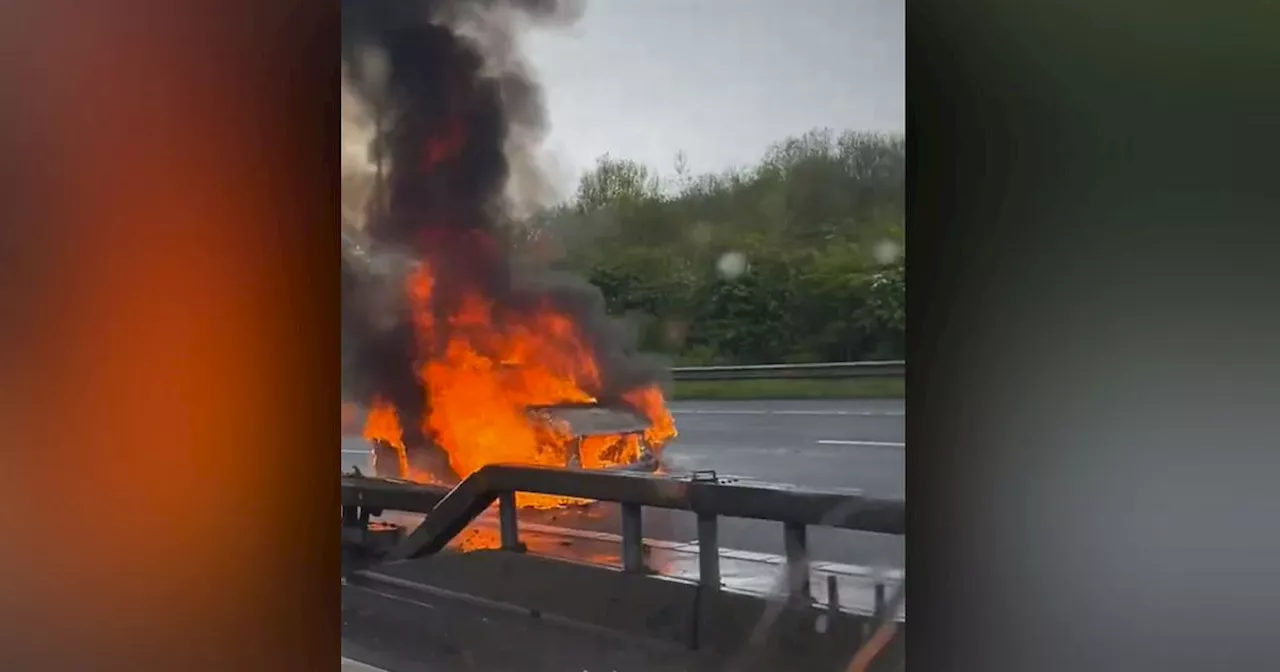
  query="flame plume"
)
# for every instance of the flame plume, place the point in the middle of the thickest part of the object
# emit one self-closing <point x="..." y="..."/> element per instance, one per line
<point x="449" y="336"/>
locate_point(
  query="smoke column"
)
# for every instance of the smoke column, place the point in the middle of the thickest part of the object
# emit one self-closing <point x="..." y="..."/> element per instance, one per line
<point x="459" y="115"/>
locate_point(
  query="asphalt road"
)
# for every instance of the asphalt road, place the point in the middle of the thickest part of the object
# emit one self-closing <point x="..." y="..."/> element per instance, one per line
<point x="855" y="444"/>
<point x="828" y="444"/>
<point x="402" y="631"/>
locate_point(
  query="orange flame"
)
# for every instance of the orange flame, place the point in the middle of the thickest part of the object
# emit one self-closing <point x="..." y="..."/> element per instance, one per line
<point x="650" y="402"/>
<point x="382" y="424"/>
<point x="483" y="374"/>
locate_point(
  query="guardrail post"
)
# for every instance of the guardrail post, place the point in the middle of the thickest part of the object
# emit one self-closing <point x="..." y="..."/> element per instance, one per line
<point x="632" y="539"/>
<point x="708" y="552"/>
<point x="833" y="596"/>
<point x="795" y="540"/>
<point x="507" y="524"/>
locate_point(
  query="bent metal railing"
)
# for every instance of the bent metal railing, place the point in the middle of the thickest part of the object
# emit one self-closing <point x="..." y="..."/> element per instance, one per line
<point x="448" y="512"/>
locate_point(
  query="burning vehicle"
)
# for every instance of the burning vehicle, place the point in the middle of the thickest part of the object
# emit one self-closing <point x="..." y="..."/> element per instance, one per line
<point x="541" y="417"/>
<point x="600" y="438"/>
<point x="463" y="347"/>
<point x="574" y="436"/>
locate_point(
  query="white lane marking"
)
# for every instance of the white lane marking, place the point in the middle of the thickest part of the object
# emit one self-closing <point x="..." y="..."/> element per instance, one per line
<point x="349" y="665"/>
<point x="353" y="451"/>
<point x="858" y="413"/>
<point x="845" y="442"/>
<point x="681" y="411"/>
<point x="389" y="596"/>
<point x="699" y="411"/>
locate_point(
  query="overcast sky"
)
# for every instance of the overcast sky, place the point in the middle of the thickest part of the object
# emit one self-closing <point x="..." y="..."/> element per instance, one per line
<point x="718" y="79"/>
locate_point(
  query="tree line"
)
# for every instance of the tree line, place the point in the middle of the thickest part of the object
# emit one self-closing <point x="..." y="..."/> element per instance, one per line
<point x="797" y="258"/>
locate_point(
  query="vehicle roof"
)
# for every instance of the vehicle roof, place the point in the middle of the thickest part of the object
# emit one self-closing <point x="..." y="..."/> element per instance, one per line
<point x="584" y="420"/>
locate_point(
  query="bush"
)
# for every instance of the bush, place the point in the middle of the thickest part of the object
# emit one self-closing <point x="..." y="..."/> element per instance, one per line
<point x="799" y="258"/>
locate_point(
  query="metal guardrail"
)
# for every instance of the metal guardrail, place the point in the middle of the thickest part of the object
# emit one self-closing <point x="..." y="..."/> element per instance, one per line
<point x="889" y="369"/>
<point x="450" y="511"/>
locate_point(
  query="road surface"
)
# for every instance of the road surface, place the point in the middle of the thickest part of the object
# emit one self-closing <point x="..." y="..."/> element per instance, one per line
<point x="856" y="444"/>
<point x="818" y="444"/>
<point x="401" y="631"/>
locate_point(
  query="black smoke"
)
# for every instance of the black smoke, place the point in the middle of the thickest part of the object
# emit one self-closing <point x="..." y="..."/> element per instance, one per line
<point x="457" y="107"/>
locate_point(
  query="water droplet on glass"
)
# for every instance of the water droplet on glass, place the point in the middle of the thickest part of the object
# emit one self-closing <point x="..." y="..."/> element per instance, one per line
<point x="820" y="625"/>
<point x="732" y="264"/>
<point x="886" y="251"/>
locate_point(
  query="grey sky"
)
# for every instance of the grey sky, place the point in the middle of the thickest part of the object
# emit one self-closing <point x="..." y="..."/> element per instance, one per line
<point x="719" y="79"/>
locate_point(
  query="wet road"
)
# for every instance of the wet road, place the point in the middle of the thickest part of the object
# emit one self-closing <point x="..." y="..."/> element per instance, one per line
<point x="855" y="444"/>
<point x="828" y="444"/>
<point x="417" y="632"/>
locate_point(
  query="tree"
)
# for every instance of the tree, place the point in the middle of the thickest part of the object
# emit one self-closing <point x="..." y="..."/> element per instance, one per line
<point x="810" y="220"/>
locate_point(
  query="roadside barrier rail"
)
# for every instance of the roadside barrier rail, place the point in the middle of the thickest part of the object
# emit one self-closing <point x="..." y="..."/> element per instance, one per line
<point x="889" y="369"/>
<point x="449" y="511"/>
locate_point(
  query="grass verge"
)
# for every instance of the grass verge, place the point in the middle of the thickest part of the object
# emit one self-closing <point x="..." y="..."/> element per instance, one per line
<point x="847" y="388"/>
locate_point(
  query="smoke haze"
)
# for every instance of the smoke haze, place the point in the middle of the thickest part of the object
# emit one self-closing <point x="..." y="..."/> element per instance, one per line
<point x="441" y="89"/>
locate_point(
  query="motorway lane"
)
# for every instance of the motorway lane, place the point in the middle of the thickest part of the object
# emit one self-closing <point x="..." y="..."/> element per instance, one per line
<point x="816" y="444"/>
<point x="856" y="444"/>
<point x="836" y="444"/>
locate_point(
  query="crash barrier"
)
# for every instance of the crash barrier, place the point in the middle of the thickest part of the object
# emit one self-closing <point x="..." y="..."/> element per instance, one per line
<point x="449" y="511"/>
<point x="890" y="369"/>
